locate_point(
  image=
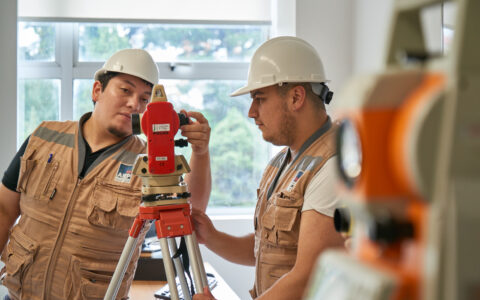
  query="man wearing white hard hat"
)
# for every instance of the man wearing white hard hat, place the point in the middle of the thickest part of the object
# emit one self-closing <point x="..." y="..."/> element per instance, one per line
<point x="71" y="185"/>
<point x="296" y="197"/>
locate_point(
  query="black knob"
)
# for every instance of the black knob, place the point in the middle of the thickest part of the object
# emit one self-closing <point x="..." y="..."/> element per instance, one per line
<point x="342" y="219"/>
<point x="136" y="124"/>
<point x="389" y="230"/>
<point x="184" y="120"/>
<point x="181" y="143"/>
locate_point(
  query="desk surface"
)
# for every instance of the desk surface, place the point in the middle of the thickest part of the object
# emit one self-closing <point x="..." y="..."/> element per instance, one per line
<point x="141" y="290"/>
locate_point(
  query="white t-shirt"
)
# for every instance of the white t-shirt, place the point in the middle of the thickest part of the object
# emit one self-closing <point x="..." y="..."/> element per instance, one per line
<point x="320" y="193"/>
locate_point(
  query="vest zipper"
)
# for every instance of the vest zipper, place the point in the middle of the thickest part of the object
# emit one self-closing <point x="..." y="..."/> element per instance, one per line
<point x="59" y="241"/>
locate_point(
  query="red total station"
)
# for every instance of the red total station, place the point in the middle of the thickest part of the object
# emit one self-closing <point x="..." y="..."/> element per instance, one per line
<point x="160" y="123"/>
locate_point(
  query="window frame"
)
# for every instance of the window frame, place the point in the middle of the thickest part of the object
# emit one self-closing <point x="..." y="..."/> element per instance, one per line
<point x="66" y="67"/>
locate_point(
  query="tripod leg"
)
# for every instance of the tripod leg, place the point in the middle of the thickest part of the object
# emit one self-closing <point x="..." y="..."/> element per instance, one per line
<point x="180" y="271"/>
<point x="122" y="265"/>
<point x="192" y="253"/>
<point x="169" y="270"/>
<point x="200" y="260"/>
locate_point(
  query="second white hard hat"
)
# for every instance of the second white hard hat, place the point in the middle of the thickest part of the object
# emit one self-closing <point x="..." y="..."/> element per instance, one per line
<point x="283" y="59"/>
<point x="136" y="62"/>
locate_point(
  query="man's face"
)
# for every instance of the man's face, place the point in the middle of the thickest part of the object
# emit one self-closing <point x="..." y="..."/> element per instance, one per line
<point x="270" y="112"/>
<point x="123" y="96"/>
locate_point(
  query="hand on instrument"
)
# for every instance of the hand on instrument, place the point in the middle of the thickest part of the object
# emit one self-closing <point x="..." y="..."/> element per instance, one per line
<point x="197" y="132"/>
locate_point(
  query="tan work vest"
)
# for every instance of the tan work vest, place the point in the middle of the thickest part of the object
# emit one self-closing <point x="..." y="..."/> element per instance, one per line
<point x="71" y="233"/>
<point x="279" y="206"/>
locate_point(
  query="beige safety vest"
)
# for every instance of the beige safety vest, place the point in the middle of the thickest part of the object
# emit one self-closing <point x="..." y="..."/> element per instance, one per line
<point x="279" y="206"/>
<point x="71" y="233"/>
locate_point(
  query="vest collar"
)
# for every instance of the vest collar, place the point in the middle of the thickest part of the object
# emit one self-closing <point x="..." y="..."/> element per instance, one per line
<point x="82" y="148"/>
<point x="325" y="127"/>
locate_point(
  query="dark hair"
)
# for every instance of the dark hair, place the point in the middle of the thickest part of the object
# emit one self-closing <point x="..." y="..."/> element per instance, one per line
<point x="287" y="86"/>
<point x="105" y="78"/>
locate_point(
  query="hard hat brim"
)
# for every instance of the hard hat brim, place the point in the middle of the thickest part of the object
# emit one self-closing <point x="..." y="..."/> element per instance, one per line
<point x="248" y="88"/>
<point x="105" y="70"/>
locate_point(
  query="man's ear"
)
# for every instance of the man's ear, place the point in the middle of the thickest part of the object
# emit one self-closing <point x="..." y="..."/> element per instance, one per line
<point x="298" y="96"/>
<point x="96" y="90"/>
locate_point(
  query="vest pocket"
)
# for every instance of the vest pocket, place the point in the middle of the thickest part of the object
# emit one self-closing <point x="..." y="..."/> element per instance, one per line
<point x="90" y="280"/>
<point x="281" y="226"/>
<point x="287" y="199"/>
<point x="113" y="206"/>
<point x="46" y="183"/>
<point x="26" y="167"/>
<point x="272" y="266"/>
<point x="37" y="178"/>
<point x="18" y="255"/>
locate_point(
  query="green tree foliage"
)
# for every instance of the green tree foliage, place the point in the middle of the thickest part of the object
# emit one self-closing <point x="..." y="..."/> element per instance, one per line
<point x="236" y="165"/>
<point x="100" y="42"/>
<point x="40" y="101"/>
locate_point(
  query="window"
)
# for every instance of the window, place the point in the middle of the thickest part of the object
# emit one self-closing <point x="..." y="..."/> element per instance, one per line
<point x="200" y="65"/>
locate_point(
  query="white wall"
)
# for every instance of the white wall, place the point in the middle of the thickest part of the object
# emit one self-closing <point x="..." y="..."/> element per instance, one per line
<point x="327" y="25"/>
<point x="8" y="81"/>
<point x="370" y="31"/>
<point x="8" y="84"/>
<point x="227" y="10"/>
<point x="349" y="35"/>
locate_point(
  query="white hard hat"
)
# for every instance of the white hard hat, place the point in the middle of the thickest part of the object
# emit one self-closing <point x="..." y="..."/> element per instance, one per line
<point x="283" y="59"/>
<point x="136" y="62"/>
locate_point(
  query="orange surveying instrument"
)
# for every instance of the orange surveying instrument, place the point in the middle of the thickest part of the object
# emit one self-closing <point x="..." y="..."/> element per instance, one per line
<point x="408" y="152"/>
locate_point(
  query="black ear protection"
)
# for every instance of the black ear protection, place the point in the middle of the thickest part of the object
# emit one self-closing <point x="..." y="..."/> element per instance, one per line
<point x="322" y="90"/>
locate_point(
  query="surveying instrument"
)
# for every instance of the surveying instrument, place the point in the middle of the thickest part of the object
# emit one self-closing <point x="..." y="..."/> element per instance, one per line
<point x="164" y="198"/>
<point x="408" y="158"/>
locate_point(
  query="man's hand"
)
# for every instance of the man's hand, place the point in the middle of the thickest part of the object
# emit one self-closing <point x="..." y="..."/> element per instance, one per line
<point x="204" y="228"/>
<point x="197" y="132"/>
<point x="199" y="179"/>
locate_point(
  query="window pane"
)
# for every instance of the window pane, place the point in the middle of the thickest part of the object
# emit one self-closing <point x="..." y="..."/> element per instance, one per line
<point x="38" y="101"/>
<point x="172" y="42"/>
<point x="238" y="152"/>
<point x="82" y="97"/>
<point x="36" y="41"/>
